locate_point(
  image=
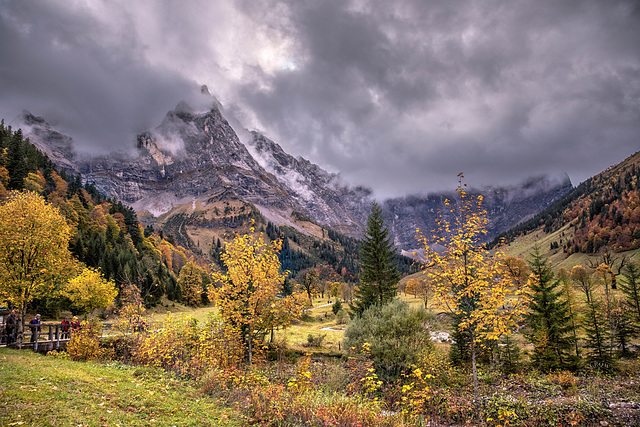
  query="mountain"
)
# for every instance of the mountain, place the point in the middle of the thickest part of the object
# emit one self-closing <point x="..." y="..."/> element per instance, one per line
<point x="506" y="207"/>
<point x="197" y="157"/>
<point x="602" y="214"/>
<point x="199" y="170"/>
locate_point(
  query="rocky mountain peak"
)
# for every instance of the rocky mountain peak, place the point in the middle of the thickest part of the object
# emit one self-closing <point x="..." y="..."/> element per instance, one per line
<point x="195" y="156"/>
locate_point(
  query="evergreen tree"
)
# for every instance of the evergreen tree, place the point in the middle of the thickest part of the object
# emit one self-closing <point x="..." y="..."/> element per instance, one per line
<point x="16" y="162"/>
<point x="287" y="287"/>
<point x="379" y="273"/>
<point x="631" y="289"/>
<point x="598" y="340"/>
<point x="548" y="319"/>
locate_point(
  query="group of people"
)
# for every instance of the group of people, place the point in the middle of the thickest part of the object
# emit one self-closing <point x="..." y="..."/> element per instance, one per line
<point x="74" y="325"/>
<point x="11" y="327"/>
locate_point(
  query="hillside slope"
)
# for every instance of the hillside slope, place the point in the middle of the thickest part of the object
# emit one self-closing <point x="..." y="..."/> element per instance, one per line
<point x="600" y="215"/>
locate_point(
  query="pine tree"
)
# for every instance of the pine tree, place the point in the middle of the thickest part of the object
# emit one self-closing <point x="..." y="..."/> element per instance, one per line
<point x="16" y="162"/>
<point x="548" y="319"/>
<point x="598" y="339"/>
<point x="379" y="273"/>
<point x="631" y="289"/>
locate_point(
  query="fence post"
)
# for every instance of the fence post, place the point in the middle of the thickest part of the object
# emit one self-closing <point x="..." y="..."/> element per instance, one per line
<point x="57" y="337"/>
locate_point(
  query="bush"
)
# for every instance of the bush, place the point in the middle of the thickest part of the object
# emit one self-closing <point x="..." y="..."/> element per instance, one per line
<point x="85" y="342"/>
<point x="396" y="334"/>
<point x="314" y="341"/>
<point x="181" y="346"/>
<point x="342" y="317"/>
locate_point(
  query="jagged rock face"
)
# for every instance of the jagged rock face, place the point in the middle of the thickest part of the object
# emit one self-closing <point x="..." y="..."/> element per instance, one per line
<point x="54" y="144"/>
<point x="506" y="207"/>
<point x="320" y="192"/>
<point x="194" y="156"/>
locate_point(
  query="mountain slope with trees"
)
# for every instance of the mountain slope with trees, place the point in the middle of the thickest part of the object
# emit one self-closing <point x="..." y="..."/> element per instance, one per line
<point x="107" y="235"/>
<point x="602" y="214"/>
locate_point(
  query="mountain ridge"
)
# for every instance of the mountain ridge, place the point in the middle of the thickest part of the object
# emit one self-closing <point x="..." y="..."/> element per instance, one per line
<point x="193" y="156"/>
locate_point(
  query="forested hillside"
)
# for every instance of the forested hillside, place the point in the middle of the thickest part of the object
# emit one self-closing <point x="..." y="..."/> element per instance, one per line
<point x="108" y="235"/>
<point x="603" y="213"/>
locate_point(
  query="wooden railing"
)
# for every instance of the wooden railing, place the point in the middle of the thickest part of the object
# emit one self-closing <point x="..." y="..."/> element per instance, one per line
<point x="47" y="337"/>
<point x="50" y="336"/>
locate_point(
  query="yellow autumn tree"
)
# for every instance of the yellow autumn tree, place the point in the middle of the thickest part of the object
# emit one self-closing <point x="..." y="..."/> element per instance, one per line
<point x="410" y="288"/>
<point x="190" y="283"/>
<point x="469" y="281"/>
<point x="89" y="290"/>
<point x="424" y="291"/>
<point x="34" y="253"/>
<point x="247" y="292"/>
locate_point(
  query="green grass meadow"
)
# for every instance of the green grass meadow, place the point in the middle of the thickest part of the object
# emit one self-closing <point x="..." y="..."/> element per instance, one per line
<point x="37" y="390"/>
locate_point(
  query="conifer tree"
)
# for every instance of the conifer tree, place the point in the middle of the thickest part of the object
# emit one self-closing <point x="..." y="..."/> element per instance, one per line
<point x="598" y="339"/>
<point x="631" y="289"/>
<point x="379" y="274"/>
<point x="549" y="320"/>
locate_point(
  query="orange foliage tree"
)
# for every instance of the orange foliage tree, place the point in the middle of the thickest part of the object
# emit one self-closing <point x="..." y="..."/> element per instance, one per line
<point x="247" y="292"/>
<point x="190" y="283"/>
<point x="34" y="254"/>
<point x="469" y="281"/>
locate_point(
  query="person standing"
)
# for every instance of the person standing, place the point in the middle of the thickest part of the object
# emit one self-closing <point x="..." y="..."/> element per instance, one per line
<point x="34" y="324"/>
<point x="75" y="325"/>
<point x="10" y="327"/>
<point x="65" y="328"/>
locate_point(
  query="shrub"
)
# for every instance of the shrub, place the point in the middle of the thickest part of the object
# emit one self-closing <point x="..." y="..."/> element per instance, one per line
<point x="396" y="334"/>
<point x="314" y="341"/>
<point x="342" y="317"/>
<point x="85" y="342"/>
<point x="565" y="379"/>
<point x="181" y="346"/>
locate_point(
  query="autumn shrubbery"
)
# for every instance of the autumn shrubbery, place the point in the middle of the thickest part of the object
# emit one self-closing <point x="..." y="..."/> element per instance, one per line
<point x="181" y="346"/>
<point x="295" y="395"/>
<point x="85" y="342"/>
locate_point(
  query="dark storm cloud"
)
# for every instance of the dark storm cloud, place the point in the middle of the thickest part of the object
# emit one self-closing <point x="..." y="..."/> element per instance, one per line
<point x="422" y="90"/>
<point x="62" y="66"/>
<point x="400" y="96"/>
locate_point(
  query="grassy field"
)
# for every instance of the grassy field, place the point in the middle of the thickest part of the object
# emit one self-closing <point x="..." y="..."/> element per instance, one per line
<point x="522" y="246"/>
<point x="38" y="390"/>
<point x="320" y="322"/>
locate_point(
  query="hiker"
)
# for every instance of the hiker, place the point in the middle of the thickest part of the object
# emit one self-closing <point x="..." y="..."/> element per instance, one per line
<point x="75" y="325"/>
<point x="65" y="328"/>
<point x="34" y="324"/>
<point x="10" y="327"/>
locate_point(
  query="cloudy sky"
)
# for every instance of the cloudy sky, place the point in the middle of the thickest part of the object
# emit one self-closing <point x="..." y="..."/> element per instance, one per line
<point x="396" y="95"/>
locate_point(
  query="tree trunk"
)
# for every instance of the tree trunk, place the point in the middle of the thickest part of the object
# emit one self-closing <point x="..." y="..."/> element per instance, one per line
<point x="250" y="337"/>
<point x="475" y="380"/>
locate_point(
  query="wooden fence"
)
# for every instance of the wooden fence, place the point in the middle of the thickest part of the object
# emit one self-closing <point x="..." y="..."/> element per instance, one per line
<point x="50" y="336"/>
<point x="45" y="337"/>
